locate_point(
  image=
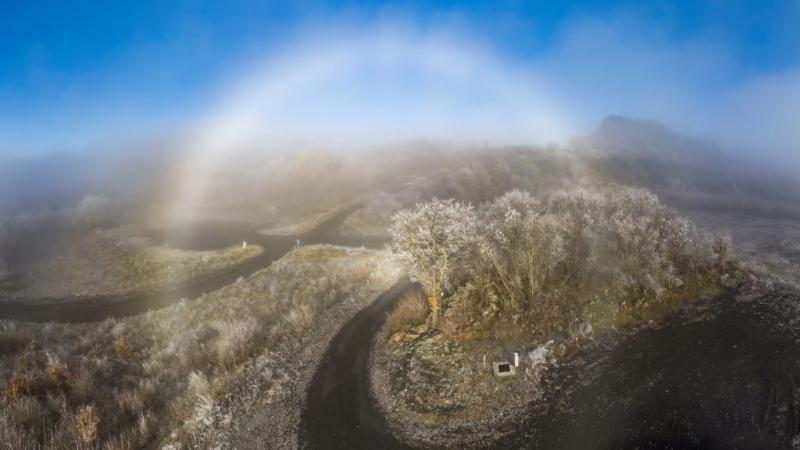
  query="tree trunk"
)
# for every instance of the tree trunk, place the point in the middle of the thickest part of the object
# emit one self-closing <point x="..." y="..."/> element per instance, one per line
<point x="433" y="301"/>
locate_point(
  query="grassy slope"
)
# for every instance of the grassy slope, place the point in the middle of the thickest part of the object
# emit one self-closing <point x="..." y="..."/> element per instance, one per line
<point x="117" y="261"/>
<point x="183" y="374"/>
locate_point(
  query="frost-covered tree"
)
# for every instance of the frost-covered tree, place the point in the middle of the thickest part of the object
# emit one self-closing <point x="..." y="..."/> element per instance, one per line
<point x="522" y="244"/>
<point x="620" y="238"/>
<point x="544" y="260"/>
<point x="433" y="239"/>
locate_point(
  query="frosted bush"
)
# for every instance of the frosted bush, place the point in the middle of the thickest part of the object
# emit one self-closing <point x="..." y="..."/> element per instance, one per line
<point x="208" y="423"/>
<point x="198" y="383"/>
<point x="538" y="356"/>
<point x="535" y="259"/>
<point x="301" y="317"/>
<point x="521" y="245"/>
<point x="234" y="339"/>
<point x="433" y="240"/>
<point x="621" y="239"/>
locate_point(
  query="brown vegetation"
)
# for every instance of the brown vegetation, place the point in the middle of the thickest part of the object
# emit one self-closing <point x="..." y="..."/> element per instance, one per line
<point x="546" y="266"/>
<point x="410" y="311"/>
<point x="86" y="422"/>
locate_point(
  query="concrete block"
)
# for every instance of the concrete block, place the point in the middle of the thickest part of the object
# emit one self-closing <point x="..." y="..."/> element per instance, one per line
<point x="504" y="369"/>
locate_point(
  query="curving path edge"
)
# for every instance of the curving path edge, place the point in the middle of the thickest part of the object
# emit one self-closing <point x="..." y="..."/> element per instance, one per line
<point x="96" y="308"/>
<point x="340" y="412"/>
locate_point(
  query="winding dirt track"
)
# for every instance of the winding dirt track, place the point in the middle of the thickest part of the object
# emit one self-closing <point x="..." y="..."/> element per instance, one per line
<point x="340" y="413"/>
<point x="90" y="309"/>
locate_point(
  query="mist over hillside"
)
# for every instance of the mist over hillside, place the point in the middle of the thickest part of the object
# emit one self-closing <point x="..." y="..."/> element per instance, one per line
<point x="298" y="180"/>
<point x="649" y="154"/>
<point x="34" y="183"/>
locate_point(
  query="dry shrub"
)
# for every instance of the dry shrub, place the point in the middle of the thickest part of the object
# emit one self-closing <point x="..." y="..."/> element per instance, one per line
<point x="409" y="312"/>
<point x="122" y="348"/>
<point x="127" y="440"/>
<point x="186" y="349"/>
<point x="148" y="387"/>
<point x="362" y="271"/>
<point x="24" y="361"/>
<point x="20" y="384"/>
<point x="86" y="422"/>
<point x="144" y="426"/>
<point x="472" y="310"/>
<point x="301" y="317"/>
<point x="180" y="412"/>
<point x="81" y="384"/>
<point x="234" y="340"/>
<point x="131" y="401"/>
<point x="198" y="384"/>
<point x="56" y="372"/>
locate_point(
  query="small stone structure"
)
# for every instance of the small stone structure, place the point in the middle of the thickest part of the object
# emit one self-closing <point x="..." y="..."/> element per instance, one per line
<point x="503" y="369"/>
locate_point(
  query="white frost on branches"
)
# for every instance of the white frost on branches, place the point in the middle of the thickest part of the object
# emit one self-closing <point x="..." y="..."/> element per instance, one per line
<point x="434" y="240"/>
<point x="529" y="253"/>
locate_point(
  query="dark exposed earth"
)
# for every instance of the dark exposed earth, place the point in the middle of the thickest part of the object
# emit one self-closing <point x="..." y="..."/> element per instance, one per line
<point x="726" y="377"/>
<point x="340" y="412"/>
<point x="723" y="374"/>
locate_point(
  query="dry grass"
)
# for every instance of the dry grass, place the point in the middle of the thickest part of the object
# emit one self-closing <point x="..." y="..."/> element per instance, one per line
<point x="11" y="436"/>
<point x="82" y="384"/>
<point x="411" y="311"/>
<point x="122" y="348"/>
<point x="114" y="261"/>
<point x="12" y="343"/>
<point x="86" y="422"/>
<point x="234" y="340"/>
<point x="174" y="376"/>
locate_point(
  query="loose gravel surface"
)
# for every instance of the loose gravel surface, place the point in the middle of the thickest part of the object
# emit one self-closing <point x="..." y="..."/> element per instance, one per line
<point x="434" y="392"/>
<point x="722" y="376"/>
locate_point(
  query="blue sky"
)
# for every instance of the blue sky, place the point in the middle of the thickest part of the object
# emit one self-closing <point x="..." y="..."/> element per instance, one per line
<point x="82" y="74"/>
